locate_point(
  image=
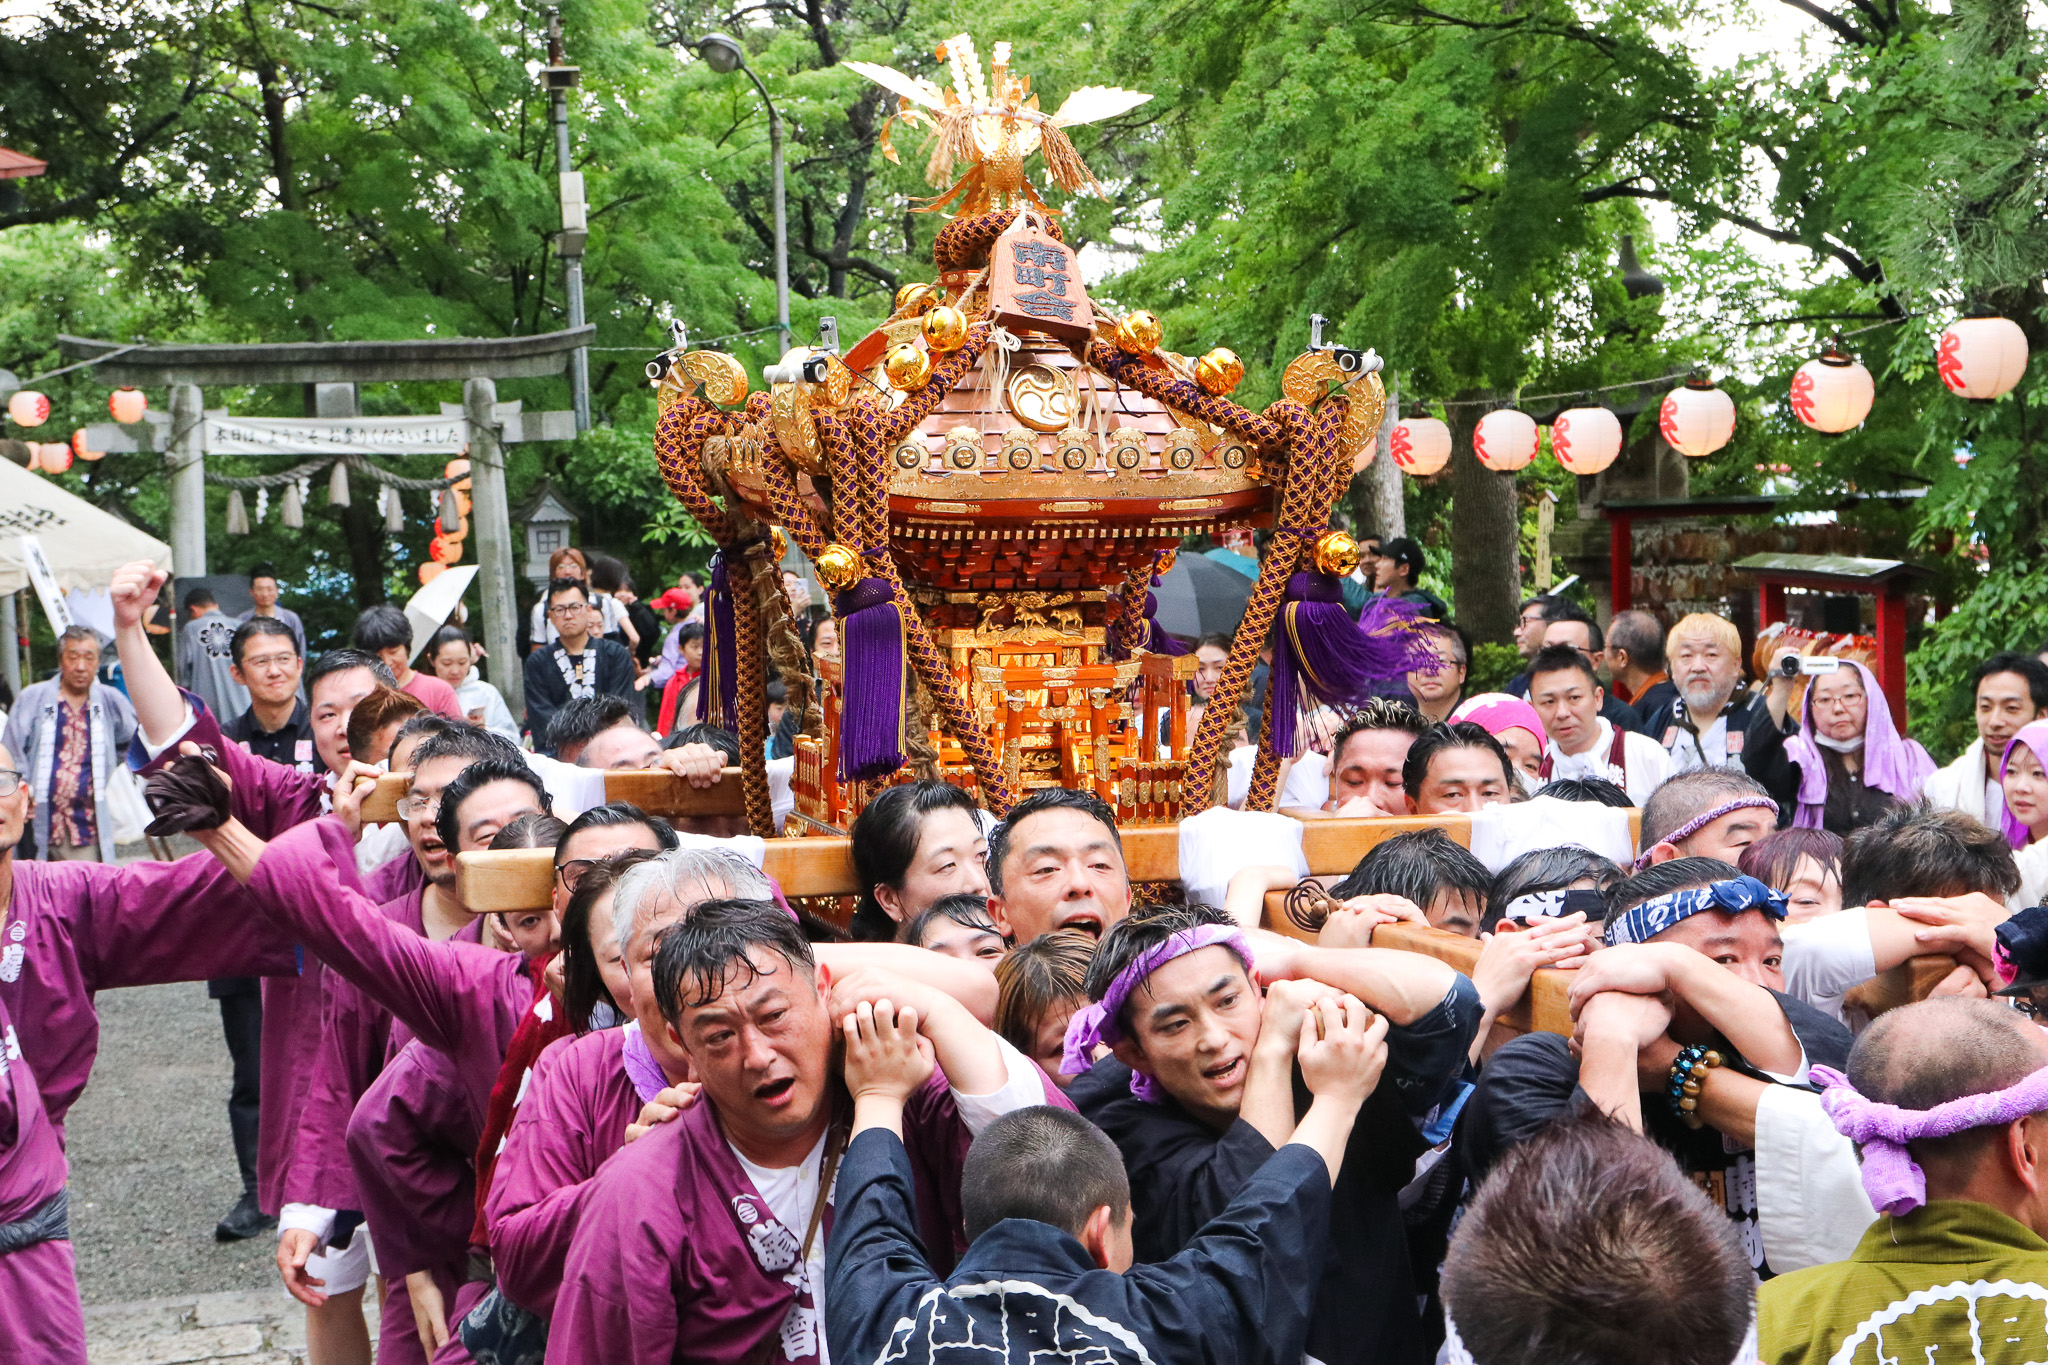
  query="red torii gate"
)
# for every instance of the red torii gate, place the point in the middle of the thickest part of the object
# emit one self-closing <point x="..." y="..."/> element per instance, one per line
<point x="1885" y="579"/>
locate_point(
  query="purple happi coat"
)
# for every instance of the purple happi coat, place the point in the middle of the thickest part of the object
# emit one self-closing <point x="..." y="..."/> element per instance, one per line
<point x="358" y="1039"/>
<point x="269" y="798"/>
<point x="573" y="1117"/>
<point x="72" y="930"/>
<point x="411" y="1146"/>
<point x="40" y="1317"/>
<point x="661" y="1266"/>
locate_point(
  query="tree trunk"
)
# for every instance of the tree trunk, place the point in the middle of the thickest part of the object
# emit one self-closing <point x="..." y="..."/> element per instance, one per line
<point x="1382" y="478"/>
<point x="362" y="525"/>
<point x="1485" y="550"/>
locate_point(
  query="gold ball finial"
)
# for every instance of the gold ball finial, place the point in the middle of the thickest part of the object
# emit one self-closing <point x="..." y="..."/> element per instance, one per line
<point x="838" y="567"/>
<point x="1139" y="333"/>
<point x="915" y="298"/>
<point x="1220" y="371"/>
<point x="907" y="366"/>
<point x="1336" y="553"/>
<point x="945" y="328"/>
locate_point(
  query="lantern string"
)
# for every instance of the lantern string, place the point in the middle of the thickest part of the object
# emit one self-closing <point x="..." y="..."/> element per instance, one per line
<point x="1667" y="381"/>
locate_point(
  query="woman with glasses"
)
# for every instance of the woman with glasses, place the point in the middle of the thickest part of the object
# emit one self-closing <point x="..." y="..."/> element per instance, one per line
<point x="1843" y="762"/>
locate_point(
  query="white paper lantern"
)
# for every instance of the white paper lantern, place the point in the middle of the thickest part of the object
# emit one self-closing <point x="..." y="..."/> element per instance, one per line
<point x="127" y="405"/>
<point x="1981" y="358"/>
<point x="28" y="408"/>
<point x="1420" y="446"/>
<point x="53" y="456"/>
<point x="81" y="450"/>
<point x="1505" y="440"/>
<point x="1698" y="419"/>
<point x="1586" y="440"/>
<point x="1832" y="392"/>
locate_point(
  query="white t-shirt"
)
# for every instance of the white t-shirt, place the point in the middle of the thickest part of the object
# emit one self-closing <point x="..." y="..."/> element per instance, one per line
<point x="791" y="1192"/>
<point x="1648" y="764"/>
<point x="614" y="619"/>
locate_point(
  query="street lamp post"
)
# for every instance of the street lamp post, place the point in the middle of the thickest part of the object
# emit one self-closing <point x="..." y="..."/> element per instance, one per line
<point x="560" y="78"/>
<point x="724" y="55"/>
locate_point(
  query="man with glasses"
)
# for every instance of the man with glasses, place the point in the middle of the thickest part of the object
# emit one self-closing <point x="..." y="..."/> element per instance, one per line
<point x="576" y="664"/>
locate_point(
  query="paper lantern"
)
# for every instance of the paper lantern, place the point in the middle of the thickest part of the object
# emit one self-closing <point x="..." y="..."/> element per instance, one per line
<point x="1832" y="392"/>
<point x="431" y="571"/>
<point x="437" y="550"/>
<point x="1979" y="358"/>
<point x="455" y="469"/>
<point x="79" y="448"/>
<point x="1420" y="446"/>
<point x="28" y="408"/>
<point x="1586" y="440"/>
<point x="1698" y="419"/>
<point x="53" y="456"/>
<point x="127" y="405"/>
<point x="1505" y="440"/>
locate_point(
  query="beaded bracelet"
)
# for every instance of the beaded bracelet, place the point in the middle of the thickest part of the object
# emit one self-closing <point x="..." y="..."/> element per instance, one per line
<point x="1687" y="1070"/>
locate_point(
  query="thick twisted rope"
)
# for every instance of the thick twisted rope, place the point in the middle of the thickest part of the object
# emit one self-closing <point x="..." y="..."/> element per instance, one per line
<point x="1164" y="387"/>
<point x="752" y="689"/>
<point x="964" y="243"/>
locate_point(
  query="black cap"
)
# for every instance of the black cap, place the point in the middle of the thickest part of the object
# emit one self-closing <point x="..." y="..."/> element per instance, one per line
<point x="2025" y="940"/>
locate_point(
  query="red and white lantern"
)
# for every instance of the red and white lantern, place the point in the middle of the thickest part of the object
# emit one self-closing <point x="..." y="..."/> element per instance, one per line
<point x="28" y="408"/>
<point x="1981" y="358"/>
<point x="1832" y="392"/>
<point x="127" y="405"/>
<point x="1505" y="440"/>
<point x="1586" y="440"/>
<point x="52" y="457"/>
<point x="80" y="450"/>
<point x="1420" y="446"/>
<point x="1698" y="419"/>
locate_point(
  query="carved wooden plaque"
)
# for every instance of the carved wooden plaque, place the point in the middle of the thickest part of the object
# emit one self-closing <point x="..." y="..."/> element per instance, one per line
<point x="1035" y="284"/>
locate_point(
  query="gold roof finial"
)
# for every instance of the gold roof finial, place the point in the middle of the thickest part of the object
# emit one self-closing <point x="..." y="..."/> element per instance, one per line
<point x="993" y="121"/>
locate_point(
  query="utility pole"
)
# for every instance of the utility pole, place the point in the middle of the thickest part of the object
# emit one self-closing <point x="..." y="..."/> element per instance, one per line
<point x="560" y="78"/>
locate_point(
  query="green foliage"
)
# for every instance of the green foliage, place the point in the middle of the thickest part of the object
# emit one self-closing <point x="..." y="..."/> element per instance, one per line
<point x="1492" y="665"/>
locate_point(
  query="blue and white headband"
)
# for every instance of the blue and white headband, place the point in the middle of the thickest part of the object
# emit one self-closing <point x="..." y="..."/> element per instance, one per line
<point x="1644" y="922"/>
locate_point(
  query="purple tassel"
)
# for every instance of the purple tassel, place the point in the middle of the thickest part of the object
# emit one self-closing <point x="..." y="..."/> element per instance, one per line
<point x="718" y="690"/>
<point x="1321" y="655"/>
<point x="871" y="710"/>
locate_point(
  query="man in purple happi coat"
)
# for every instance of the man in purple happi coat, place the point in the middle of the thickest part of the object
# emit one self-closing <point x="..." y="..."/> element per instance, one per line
<point x="457" y="998"/>
<point x="40" y="1317"/>
<point x="704" y="1240"/>
<point x="589" y="1095"/>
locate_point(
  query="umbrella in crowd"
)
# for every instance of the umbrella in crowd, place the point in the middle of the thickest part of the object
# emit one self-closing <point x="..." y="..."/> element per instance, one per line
<point x="1199" y="596"/>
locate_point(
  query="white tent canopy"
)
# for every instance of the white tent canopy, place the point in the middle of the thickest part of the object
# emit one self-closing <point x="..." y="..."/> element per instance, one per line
<point x="83" y="544"/>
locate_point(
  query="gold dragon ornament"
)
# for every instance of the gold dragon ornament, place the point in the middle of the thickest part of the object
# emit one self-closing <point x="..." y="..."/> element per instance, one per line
<point x="994" y="122"/>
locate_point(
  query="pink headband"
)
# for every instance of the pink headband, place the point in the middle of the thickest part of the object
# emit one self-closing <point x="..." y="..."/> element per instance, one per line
<point x="1893" y="1180"/>
<point x="1700" y="822"/>
<point x="1497" y="711"/>
<point x="1096" y="1025"/>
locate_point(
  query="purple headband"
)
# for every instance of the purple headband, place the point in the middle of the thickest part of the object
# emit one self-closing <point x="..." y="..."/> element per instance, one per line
<point x="1893" y="1180"/>
<point x="1096" y="1025"/>
<point x="1700" y="822"/>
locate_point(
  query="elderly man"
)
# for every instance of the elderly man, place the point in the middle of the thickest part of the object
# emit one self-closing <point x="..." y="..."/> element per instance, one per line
<point x="1948" y="1099"/>
<point x="2011" y="690"/>
<point x="1057" y="862"/>
<point x="1636" y="666"/>
<point x="1582" y="742"/>
<point x="69" y="733"/>
<point x="1707" y="724"/>
<point x="725" y="1262"/>
<point x="1706" y="813"/>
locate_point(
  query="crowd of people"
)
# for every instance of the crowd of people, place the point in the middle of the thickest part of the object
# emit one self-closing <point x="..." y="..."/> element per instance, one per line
<point x="1019" y="1099"/>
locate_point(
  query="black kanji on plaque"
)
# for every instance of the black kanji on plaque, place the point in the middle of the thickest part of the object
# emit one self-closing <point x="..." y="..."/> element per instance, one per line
<point x="1044" y="305"/>
<point x="1041" y="266"/>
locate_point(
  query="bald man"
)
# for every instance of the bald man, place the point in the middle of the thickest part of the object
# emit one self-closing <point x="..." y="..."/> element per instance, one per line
<point x="1957" y="1268"/>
